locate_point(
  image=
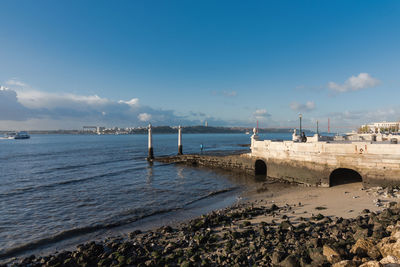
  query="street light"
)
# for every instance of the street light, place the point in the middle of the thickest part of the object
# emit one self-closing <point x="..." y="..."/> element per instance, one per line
<point x="317" y="129"/>
<point x="300" y="116"/>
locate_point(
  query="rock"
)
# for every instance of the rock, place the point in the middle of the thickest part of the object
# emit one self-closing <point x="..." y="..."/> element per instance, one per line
<point x="290" y="261"/>
<point x="365" y="247"/>
<point x="371" y="264"/>
<point x="331" y="254"/>
<point x="390" y="260"/>
<point x="361" y="233"/>
<point x="345" y="263"/>
<point x="274" y="207"/>
<point x="316" y="256"/>
<point x="134" y="234"/>
<point x="166" y="229"/>
<point x="286" y="225"/>
<point x="315" y="242"/>
<point x="185" y="264"/>
<point x="277" y="256"/>
<point x="389" y="246"/>
<point x="318" y="217"/>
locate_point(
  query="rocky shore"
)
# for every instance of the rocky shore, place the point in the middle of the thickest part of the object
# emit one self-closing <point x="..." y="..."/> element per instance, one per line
<point x="238" y="236"/>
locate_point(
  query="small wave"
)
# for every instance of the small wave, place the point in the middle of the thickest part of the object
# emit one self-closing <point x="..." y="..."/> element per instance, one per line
<point x="20" y="191"/>
<point x="213" y="193"/>
<point x="8" y="253"/>
<point x="79" y="151"/>
<point x="74" y="233"/>
<point x="71" y="167"/>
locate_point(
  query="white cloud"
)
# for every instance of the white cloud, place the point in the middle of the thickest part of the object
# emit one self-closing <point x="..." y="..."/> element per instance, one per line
<point x="133" y="102"/>
<point x="355" y="83"/>
<point x="10" y="108"/>
<point x="261" y="114"/>
<point x="308" y="106"/>
<point x="229" y="93"/>
<point x="144" y="117"/>
<point x="15" y="82"/>
<point x="225" y="93"/>
<point x="40" y="99"/>
<point x="25" y="104"/>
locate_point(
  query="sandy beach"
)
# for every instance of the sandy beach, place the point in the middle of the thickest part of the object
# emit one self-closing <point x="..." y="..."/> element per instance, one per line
<point x="346" y="200"/>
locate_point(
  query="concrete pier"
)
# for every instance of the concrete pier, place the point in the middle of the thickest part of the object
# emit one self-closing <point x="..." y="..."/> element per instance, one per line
<point x="180" y="140"/>
<point x="150" y="156"/>
<point x="241" y="163"/>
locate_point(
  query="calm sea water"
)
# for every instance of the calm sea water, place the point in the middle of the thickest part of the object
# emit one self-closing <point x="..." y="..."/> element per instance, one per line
<point x="54" y="187"/>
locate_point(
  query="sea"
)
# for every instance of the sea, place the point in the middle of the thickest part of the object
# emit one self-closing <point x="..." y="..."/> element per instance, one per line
<point x="60" y="190"/>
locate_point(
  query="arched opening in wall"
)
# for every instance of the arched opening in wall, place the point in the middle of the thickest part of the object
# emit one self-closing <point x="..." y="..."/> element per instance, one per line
<point x="260" y="168"/>
<point x="344" y="176"/>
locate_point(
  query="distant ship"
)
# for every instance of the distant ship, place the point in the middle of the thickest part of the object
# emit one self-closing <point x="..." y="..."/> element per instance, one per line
<point x="19" y="135"/>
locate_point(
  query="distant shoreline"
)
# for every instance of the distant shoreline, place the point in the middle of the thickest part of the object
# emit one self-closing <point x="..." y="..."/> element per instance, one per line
<point x="167" y="130"/>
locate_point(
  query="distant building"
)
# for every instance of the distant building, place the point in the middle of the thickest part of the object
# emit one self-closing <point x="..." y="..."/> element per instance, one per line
<point x="206" y="124"/>
<point x="380" y="126"/>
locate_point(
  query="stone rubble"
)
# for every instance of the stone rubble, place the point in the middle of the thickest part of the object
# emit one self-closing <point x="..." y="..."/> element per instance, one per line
<point x="233" y="237"/>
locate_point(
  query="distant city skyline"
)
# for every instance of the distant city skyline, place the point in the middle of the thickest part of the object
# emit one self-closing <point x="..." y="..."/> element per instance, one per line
<point x="66" y="64"/>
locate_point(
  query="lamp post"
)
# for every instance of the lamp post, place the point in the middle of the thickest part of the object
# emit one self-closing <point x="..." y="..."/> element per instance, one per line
<point x="300" y="116"/>
<point x="317" y="129"/>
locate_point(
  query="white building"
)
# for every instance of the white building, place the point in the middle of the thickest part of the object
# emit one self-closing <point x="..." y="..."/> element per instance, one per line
<point x="373" y="127"/>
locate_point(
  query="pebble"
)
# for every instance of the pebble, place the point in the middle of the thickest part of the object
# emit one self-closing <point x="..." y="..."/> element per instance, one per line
<point x="205" y="241"/>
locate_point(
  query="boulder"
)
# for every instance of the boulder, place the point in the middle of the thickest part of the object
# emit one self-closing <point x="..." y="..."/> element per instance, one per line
<point x="286" y="225"/>
<point x="390" y="246"/>
<point x="361" y="233"/>
<point x="390" y="260"/>
<point x="365" y="247"/>
<point x="316" y="256"/>
<point x="345" y="263"/>
<point x="277" y="256"/>
<point x="290" y="261"/>
<point x="331" y="254"/>
<point x="371" y="264"/>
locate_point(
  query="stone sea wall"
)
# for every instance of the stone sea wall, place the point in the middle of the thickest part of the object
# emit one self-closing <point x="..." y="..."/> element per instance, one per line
<point x="314" y="162"/>
<point x="239" y="163"/>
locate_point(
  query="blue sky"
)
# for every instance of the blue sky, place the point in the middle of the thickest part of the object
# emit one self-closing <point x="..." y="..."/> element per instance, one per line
<point x="65" y="64"/>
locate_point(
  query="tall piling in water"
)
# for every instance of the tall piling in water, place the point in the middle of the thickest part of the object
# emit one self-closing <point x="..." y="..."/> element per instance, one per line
<point x="180" y="140"/>
<point x="151" y="153"/>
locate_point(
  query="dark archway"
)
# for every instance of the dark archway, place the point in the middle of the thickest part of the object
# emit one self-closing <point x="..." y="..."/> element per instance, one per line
<point x="344" y="176"/>
<point x="260" y="168"/>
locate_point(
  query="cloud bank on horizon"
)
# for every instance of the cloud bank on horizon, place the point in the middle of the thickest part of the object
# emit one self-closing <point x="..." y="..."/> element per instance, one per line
<point x="35" y="109"/>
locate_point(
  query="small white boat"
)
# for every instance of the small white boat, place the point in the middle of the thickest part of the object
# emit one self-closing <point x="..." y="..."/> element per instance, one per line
<point x="11" y="135"/>
<point x="19" y="135"/>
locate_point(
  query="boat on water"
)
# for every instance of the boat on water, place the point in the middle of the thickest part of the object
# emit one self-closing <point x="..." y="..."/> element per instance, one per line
<point x="18" y="135"/>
